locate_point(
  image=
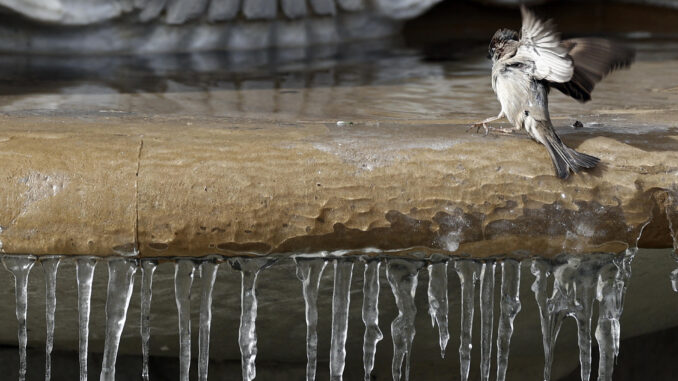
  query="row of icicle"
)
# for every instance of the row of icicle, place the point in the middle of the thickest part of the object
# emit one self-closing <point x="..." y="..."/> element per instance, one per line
<point x="578" y="281"/>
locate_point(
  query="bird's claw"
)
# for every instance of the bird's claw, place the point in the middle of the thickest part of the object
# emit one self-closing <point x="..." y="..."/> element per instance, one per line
<point x="477" y="126"/>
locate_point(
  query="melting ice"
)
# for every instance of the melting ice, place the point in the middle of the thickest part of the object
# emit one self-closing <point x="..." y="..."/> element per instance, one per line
<point x="148" y="267"/>
<point x="309" y="272"/>
<point x="183" y="280"/>
<point x="208" y="275"/>
<point x="50" y="265"/>
<point x="120" y="284"/>
<point x="403" y="278"/>
<point x="370" y="315"/>
<point x="84" y="268"/>
<point x="568" y="285"/>
<point x="341" y="299"/>
<point x="20" y="266"/>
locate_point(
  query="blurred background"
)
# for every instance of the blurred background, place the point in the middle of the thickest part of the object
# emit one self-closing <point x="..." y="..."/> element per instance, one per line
<point x="283" y="59"/>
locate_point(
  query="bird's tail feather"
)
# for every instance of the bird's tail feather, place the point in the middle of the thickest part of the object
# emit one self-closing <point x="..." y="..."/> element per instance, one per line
<point x="565" y="158"/>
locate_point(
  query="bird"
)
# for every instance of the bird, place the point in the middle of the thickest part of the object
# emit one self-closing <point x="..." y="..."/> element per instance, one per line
<point x="526" y="66"/>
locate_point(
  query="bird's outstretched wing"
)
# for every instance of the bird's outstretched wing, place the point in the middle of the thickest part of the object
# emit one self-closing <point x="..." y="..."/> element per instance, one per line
<point x="540" y="43"/>
<point x="593" y="59"/>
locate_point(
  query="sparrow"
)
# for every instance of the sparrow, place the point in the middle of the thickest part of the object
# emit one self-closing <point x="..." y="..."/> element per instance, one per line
<point x="526" y="66"/>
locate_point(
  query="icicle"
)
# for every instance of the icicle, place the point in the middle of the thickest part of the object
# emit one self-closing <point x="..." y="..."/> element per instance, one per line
<point x="573" y="292"/>
<point x="674" y="275"/>
<point x="341" y="299"/>
<point x="50" y="265"/>
<point x="403" y="277"/>
<point x="607" y="331"/>
<point x="183" y="280"/>
<point x="20" y="266"/>
<point x="550" y="324"/>
<point x="309" y="272"/>
<point x="438" y="302"/>
<point x="468" y="273"/>
<point x="613" y="281"/>
<point x="582" y="282"/>
<point x="84" y="268"/>
<point x="671" y="210"/>
<point x="208" y="275"/>
<point x="147" y="269"/>
<point x="120" y="284"/>
<point x="247" y="335"/>
<point x="486" y="318"/>
<point x="371" y="315"/>
<point x="510" y="306"/>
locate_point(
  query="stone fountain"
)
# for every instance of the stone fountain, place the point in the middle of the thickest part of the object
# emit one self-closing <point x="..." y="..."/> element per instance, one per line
<point x="274" y="208"/>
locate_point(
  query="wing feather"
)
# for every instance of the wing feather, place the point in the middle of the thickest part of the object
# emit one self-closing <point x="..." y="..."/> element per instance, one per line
<point x="593" y="59"/>
<point x="540" y="43"/>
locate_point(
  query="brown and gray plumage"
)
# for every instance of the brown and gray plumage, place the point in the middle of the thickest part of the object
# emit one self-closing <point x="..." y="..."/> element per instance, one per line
<point x="526" y="67"/>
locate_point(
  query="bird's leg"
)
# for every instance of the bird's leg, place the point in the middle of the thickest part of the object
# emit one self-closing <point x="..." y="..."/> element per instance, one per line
<point x="483" y="123"/>
<point x="504" y="131"/>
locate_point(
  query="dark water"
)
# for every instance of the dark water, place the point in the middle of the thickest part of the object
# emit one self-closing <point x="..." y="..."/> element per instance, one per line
<point x="376" y="80"/>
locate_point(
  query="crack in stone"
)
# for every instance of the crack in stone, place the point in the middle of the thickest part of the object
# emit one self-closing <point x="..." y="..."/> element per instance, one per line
<point x="136" y="196"/>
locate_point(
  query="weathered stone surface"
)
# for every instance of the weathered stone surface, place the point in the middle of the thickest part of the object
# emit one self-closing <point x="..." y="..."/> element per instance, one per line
<point x="233" y="186"/>
<point x="325" y="160"/>
<point x="65" y="192"/>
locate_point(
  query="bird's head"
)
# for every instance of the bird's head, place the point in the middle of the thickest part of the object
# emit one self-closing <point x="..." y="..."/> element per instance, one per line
<point x="501" y="39"/>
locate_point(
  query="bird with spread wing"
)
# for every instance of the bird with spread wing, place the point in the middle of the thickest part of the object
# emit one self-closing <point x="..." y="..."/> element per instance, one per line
<point x="526" y="66"/>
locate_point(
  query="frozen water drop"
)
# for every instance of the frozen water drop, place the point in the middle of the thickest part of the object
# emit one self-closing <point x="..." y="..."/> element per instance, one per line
<point x="84" y="268"/>
<point x="370" y="315"/>
<point x="309" y="272"/>
<point x="50" y="265"/>
<point x="183" y="280"/>
<point x="120" y="285"/>
<point x="20" y="266"/>
<point x="403" y="278"/>
<point x="468" y="273"/>
<point x="147" y="269"/>
<point x="438" y="302"/>
<point x="674" y="280"/>
<point x="341" y="299"/>
<point x="247" y="334"/>
<point x="208" y="275"/>
<point x="510" y="306"/>
<point x="486" y="318"/>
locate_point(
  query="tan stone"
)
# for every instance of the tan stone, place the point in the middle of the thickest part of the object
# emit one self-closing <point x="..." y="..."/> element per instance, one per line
<point x="239" y="186"/>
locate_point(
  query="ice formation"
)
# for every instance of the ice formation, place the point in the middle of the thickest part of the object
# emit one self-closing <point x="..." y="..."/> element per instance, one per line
<point x="247" y="335"/>
<point x="341" y="299"/>
<point x="208" y="275"/>
<point x="20" y="266"/>
<point x="578" y="281"/>
<point x="403" y="278"/>
<point x="370" y="315"/>
<point x="309" y="272"/>
<point x="120" y="285"/>
<point x="510" y="306"/>
<point x="84" y="268"/>
<point x="184" y="270"/>
<point x="50" y="266"/>
<point x="468" y="271"/>
<point x="438" y="301"/>
<point x="486" y="317"/>
<point x="567" y="285"/>
<point x="148" y="267"/>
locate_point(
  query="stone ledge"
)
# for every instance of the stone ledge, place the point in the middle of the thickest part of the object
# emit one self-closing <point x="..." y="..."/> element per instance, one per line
<point x="234" y="187"/>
